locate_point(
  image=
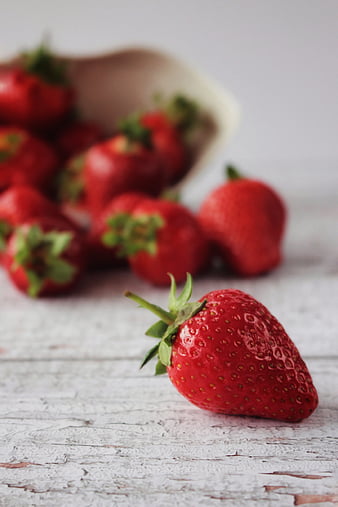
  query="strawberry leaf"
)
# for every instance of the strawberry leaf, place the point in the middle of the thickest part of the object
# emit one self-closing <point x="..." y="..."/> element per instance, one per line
<point x="164" y="353"/>
<point x="43" y="64"/>
<point x="133" y="234"/>
<point x="5" y="230"/>
<point x="35" y="283"/>
<point x="134" y="131"/>
<point x="40" y="255"/>
<point x="181" y="111"/>
<point x="59" y="242"/>
<point x="59" y="270"/>
<point x="166" y="329"/>
<point x="152" y="353"/>
<point x="175" y="303"/>
<point x="160" y="369"/>
<point x="157" y="330"/>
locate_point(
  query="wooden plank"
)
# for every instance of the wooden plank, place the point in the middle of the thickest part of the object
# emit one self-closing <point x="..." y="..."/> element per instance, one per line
<point x="100" y="432"/>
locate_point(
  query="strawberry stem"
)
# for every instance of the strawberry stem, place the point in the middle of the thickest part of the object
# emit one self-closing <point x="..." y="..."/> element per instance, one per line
<point x="166" y="317"/>
<point x="232" y="173"/>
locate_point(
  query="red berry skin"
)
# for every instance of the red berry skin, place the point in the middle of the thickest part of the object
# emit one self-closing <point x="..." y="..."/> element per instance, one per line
<point x="100" y="255"/>
<point x="75" y="255"/>
<point x="31" y="162"/>
<point x="245" y="221"/>
<point x="234" y="357"/>
<point x="181" y="246"/>
<point x="21" y="203"/>
<point x="28" y="101"/>
<point x="112" y="168"/>
<point x="168" y="142"/>
<point x="77" y="137"/>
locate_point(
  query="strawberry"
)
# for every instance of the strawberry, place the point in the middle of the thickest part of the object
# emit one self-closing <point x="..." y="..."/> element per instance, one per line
<point x="245" y="220"/>
<point x="45" y="256"/>
<point x="35" y="94"/>
<point x="19" y="204"/>
<point x="111" y="220"/>
<point x="77" y="137"/>
<point x="158" y="237"/>
<point x="226" y="353"/>
<point x="125" y="163"/>
<point x="168" y="125"/>
<point x="25" y="159"/>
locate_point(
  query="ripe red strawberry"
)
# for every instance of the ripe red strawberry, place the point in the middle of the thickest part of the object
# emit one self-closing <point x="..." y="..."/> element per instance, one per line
<point x="125" y="163"/>
<point x="245" y="220"/>
<point x="168" y="125"/>
<point x="45" y="256"/>
<point x="25" y="159"/>
<point x="77" y="137"/>
<point x="35" y="94"/>
<point x="228" y="354"/>
<point x="19" y="204"/>
<point x="158" y="237"/>
<point x="110" y="225"/>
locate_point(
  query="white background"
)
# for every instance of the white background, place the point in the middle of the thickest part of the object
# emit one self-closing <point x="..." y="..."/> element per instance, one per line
<point x="279" y="58"/>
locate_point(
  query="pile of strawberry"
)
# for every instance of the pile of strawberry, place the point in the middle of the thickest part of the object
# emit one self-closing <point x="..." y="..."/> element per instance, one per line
<point x="72" y="199"/>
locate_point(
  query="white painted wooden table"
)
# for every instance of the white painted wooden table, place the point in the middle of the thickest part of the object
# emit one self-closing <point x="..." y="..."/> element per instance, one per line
<point x="82" y="426"/>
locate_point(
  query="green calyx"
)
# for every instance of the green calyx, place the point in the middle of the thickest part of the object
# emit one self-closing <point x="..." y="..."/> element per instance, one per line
<point x="134" y="131"/>
<point x="10" y="144"/>
<point x="43" y="64"/>
<point x="5" y="230"/>
<point x="70" y="185"/>
<point x="232" y="173"/>
<point x="39" y="253"/>
<point x="181" y="111"/>
<point x="132" y="234"/>
<point x="180" y="310"/>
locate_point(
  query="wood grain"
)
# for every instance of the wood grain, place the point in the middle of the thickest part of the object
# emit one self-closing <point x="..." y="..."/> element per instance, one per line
<point x="81" y="425"/>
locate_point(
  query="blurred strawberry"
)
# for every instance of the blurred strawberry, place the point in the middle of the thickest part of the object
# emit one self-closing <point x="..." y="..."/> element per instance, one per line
<point x="45" y="257"/>
<point x="111" y="219"/>
<point x="25" y="159"/>
<point x="35" y="94"/>
<point x="159" y="237"/>
<point x="245" y="220"/>
<point x="125" y="163"/>
<point x="168" y="124"/>
<point x="21" y="203"/>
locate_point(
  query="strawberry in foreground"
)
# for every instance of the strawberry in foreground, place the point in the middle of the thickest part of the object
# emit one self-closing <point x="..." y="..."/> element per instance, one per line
<point x="226" y="353"/>
<point x="45" y="256"/>
<point x="245" y="220"/>
<point x="35" y="94"/>
<point x="125" y="163"/>
<point x="158" y="237"/>
<point x="25" y="159"/>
